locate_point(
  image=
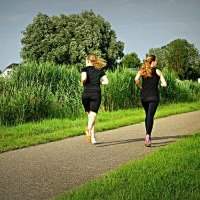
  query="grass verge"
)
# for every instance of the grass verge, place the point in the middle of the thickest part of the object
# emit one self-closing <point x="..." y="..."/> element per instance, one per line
<point x="51" y="130"/>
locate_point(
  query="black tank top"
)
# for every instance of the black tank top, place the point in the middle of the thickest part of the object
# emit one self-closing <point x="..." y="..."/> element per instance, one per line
<point x="94" y="75"/>
<point x="150" y="91"/>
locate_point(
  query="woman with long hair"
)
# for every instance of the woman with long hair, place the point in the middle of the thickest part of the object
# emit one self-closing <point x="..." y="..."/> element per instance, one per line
<point x="150" y="96"/>
<point x="91" y="77"/>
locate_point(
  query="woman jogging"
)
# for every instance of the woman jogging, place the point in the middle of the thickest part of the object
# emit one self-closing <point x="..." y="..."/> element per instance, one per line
<point x="91" y="77"/>
<point x="149" y="92"/>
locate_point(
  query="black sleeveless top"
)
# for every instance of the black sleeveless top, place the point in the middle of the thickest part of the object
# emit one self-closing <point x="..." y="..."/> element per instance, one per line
<point x="94" y="75"/>
<point x="150" y="91"/>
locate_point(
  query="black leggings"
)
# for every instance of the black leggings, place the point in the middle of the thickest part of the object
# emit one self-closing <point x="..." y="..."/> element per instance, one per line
<point x="150" y="110"/>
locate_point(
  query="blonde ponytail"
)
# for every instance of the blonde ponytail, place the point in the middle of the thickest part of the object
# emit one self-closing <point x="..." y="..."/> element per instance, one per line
<point x="97" y="62"/>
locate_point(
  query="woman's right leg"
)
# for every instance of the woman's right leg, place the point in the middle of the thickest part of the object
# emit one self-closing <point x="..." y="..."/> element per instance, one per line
<point x="92" y="130"/>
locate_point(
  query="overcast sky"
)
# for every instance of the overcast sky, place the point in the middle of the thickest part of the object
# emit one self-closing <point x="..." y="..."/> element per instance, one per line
<point x="141" y="24"/>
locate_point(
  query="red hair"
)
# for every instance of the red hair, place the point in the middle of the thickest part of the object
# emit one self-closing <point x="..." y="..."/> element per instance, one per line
<point x="146" y="69"/>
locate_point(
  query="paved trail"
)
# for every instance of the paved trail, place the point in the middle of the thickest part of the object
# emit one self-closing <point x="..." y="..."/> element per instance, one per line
<point x="41" y="172"/>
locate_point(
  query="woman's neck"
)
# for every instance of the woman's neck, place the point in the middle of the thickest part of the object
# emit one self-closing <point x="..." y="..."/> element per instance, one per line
<point x="89" y="65"/>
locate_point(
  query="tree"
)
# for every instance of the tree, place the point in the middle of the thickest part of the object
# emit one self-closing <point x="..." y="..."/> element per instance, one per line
<point x="67" y="39"/>
<point x="131" y="60"/>
<point x="183" y="57"/>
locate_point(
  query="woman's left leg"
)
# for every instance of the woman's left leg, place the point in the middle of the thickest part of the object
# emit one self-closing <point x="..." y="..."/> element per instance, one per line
<point x="91" y="123"/>
<point x="146" y="109"/>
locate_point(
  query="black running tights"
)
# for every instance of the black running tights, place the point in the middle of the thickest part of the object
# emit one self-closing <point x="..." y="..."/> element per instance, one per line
<point x="150" y="110"/>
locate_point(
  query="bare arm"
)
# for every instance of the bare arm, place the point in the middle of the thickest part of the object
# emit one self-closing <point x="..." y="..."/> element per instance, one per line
<point x="83" y="77"/>
<point x="137" y="80"/>
<point x="104" y="80"/>
<point x="162" y="79"/>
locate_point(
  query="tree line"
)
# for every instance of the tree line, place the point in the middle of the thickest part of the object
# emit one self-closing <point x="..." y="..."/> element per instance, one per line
<point x="67" y="39"/>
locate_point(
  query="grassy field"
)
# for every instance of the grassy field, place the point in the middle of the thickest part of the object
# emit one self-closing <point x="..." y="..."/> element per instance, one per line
<point x="50" y="130"/>
<point x="171" y="173"/>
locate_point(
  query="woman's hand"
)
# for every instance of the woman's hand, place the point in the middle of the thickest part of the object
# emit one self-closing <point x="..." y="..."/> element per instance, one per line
<point x="104" y="80"/>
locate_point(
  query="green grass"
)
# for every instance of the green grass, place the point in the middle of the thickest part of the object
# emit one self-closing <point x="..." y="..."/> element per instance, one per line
<point x="51" y="130"/>
<point x="171" y="173"/>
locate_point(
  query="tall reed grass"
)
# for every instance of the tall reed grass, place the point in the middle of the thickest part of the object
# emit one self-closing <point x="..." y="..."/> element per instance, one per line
<point x="37" y="91"/>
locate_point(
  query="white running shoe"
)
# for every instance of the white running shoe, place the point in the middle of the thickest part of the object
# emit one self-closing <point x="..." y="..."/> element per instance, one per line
<point x="93" y="140"/>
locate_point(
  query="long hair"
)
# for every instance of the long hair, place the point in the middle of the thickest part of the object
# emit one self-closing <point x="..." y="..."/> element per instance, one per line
<point x="146" y="69"/>
<point x="97" y="62"/>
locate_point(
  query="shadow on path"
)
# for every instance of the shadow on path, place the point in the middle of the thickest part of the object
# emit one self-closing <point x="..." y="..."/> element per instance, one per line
<point x="154" y="144"/>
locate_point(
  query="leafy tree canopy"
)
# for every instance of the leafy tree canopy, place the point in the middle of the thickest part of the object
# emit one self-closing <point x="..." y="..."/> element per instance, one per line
<point x="67" y="39"/>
